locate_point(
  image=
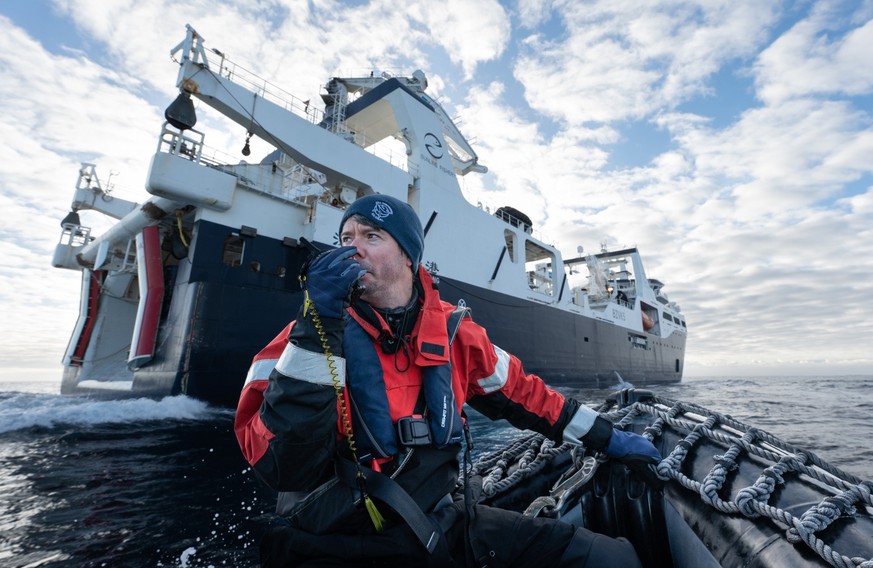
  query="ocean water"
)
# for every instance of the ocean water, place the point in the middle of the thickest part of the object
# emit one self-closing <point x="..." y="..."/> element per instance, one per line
<point x="162" y="482"/>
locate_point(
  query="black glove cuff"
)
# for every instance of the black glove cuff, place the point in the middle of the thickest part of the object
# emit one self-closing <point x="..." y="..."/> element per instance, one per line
<point x="599" y="435"/>
<point x="305" y="335"/>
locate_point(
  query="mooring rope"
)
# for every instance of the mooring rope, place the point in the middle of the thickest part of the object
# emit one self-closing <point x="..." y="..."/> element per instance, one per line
<point x="526" y="456"/>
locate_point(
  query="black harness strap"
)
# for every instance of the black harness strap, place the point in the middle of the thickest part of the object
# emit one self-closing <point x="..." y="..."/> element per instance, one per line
<point x="389" y="492"/>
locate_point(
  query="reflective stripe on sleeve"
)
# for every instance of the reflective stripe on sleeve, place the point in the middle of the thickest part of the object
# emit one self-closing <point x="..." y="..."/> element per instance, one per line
<point x="260" y="370"/>
<point x="501" y="372"/>
<point x="580" y="424"/>
<point x="311" y="367"/>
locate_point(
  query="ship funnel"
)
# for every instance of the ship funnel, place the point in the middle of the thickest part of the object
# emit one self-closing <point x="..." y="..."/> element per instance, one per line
<point x="180" y="113"/>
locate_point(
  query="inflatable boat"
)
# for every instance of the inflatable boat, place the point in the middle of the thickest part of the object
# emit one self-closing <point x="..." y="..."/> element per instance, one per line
<point x="731" y="494"/>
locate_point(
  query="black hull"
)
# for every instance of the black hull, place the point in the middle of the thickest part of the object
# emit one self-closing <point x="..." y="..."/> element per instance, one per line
<point x="567" y="349"/>
<point x="217" y="317"/>
<point x="220" y="316"/>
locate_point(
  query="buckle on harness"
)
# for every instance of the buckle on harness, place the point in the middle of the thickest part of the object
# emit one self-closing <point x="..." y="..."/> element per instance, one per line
<point x="413" y="431"/>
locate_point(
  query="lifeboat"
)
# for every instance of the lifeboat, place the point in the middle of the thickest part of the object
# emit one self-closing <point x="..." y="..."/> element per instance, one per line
<point x="648" y="322"/>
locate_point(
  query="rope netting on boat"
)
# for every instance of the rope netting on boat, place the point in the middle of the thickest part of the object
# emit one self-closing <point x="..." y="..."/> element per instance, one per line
<point x="693" y="424"/>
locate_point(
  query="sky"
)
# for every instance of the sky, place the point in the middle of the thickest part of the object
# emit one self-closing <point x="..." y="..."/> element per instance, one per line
<point x="730" y="140"/>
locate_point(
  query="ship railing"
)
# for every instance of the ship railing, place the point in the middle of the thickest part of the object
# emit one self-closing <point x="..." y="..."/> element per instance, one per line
<point x="181" y="144"/>
<point x="513" y="220"/>
<point x="267" y="90"/>
<point x="74" y="235"/>
<point x="295" y="186"/>
<point x="582" y="297"/>
<point x="491" y="210"/>
<point x="382" y="150"/>
<point x="599" y="302"/>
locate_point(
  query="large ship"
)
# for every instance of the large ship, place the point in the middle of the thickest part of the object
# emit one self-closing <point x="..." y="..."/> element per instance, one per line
<point x="183" y="289"/>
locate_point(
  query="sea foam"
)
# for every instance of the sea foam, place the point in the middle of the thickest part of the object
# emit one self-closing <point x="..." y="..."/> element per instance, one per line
<point x="20" y="411"/>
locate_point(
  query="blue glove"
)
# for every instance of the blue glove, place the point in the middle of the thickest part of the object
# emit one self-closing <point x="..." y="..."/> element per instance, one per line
<point x="329" y="280"/>
<point x="636" y="452"/>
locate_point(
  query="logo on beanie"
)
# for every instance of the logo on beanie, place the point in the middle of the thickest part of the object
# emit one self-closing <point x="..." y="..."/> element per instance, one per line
<point x="381" y="210"/>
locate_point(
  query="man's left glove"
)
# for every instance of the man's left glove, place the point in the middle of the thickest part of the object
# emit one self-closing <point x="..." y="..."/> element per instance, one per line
<point x="589" y="428"/>
<point x="636" y="452"/>
<point x="329" y="280"/>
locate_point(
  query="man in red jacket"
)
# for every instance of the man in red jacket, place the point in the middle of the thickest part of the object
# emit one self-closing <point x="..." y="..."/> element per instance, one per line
<point x="354" y="414"/>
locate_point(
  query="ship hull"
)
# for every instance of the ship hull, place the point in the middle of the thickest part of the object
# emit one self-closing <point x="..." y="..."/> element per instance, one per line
<point x="220" y="316"/>
<point x="185" y="313"/>
<point x="569" y="349"/>
<point x="217" y="317"/>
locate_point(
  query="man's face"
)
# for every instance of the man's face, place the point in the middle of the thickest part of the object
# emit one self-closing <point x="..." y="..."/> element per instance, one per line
<point x="388" y="281"/>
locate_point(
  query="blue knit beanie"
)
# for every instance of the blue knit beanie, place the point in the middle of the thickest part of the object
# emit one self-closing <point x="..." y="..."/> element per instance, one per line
<point x="396" y="217"/>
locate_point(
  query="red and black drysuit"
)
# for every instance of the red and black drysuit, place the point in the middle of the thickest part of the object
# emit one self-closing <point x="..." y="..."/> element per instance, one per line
<point x="289" y="427"/>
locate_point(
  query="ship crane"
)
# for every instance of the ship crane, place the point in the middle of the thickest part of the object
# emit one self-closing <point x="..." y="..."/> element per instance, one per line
<point x="345" y="165"/>
<point x="75" y="238"/>
<point x="91" y="195"/>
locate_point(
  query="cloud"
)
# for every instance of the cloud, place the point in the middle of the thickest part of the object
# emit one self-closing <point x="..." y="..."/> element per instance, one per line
<point x="527" y="166"/>
<point x="532" y="13"/>
<point x="757" y="222"/>
<point x="58" y="110"/>
<point x="861" y="204"/>
<point x="470" y="31"/>
<point x="779" y="159"/>
<point x="813" y="58"/>
<point x="625" y="60"/>
<point x="84" y="111"/>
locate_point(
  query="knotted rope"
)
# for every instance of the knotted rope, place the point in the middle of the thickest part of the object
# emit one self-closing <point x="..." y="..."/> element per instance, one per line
<point x="528" y="455"/>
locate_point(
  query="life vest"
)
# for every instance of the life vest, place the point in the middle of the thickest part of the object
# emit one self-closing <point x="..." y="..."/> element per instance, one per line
<point x="371" y="380"/>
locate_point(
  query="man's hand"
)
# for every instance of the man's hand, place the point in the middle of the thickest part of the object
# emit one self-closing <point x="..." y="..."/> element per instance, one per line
<point x="636" y="452"/>
<point x="329" y="279"/>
